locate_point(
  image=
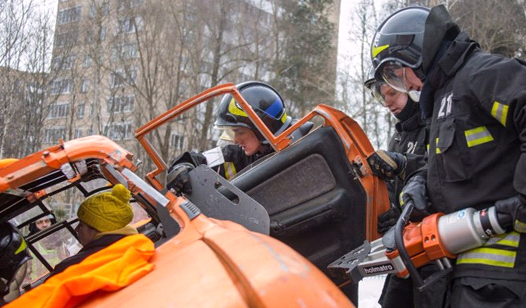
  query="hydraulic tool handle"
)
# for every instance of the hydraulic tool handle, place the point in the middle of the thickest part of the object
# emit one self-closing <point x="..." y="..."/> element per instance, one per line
<point x="399" y="241"/>
<point x="505" y="220"/>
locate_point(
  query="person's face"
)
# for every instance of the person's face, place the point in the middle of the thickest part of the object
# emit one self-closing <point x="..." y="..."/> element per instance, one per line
<point x="394" y="100"/>
<point x="43" y="223"/>
<point x="247" y="140"/>
<point x="85" y="233"/>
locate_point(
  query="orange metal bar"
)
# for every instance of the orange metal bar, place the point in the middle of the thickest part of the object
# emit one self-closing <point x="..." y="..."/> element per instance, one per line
<point x="356" y="144"/>
<point x="190" y="103"/>
<point x="45" y="161"/>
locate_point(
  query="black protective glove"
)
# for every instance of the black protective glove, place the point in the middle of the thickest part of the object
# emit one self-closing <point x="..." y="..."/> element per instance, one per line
<point x="415" y="189"/>
<point x="511" y="212"/>
<point x="388" y="219"/>
<point x="178" y="178"/>
<point x="387" y="165"/>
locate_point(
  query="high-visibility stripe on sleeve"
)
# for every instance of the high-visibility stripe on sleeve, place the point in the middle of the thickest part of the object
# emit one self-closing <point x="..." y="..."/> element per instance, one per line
<point x="519" y="226"/>
<point x="230" y="170"/>
<point x="488" y="256"/>
<point x="500" y="112"/>
<point x="437" y="149"/>
<point x="502" y="252"/>
<point x="477" y="136"/>
<point x="509" y="239"/>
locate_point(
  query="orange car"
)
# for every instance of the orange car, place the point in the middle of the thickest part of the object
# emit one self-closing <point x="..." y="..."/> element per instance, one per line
<point x="205" y="253"/>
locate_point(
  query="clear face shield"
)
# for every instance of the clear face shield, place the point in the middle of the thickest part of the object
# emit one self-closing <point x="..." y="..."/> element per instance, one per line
<point x="394" y="74"/>
<point x="376" y="92"/>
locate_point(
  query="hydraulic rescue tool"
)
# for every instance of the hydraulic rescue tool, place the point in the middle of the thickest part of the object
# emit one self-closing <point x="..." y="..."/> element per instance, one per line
<point x="438" y="237"/>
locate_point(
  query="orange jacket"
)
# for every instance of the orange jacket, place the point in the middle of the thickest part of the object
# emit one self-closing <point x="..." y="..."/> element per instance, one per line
<point x="109" y="269"/>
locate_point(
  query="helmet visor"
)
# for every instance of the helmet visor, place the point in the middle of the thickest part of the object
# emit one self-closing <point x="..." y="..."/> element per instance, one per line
<point x="393" y="73"/>
<point x="376" y="92"/>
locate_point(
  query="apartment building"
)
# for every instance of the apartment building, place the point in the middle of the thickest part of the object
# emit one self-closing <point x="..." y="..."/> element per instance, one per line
<point x="119" y="63"/>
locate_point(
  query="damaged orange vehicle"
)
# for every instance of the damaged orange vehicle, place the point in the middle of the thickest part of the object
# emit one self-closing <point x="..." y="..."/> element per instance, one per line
<point x="249" y="242"/>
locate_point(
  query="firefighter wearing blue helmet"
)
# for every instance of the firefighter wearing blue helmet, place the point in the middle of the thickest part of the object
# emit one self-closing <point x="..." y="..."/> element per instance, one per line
<point x="248" y="145"/>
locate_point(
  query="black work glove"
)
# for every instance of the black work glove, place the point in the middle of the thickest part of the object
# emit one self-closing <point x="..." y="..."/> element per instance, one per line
<point x="387" y="165"/>
<point x="388" y="219"/>
<point x="178" y="178"/>
<point x="415" y="189"/>
<point x="511" y="213"/>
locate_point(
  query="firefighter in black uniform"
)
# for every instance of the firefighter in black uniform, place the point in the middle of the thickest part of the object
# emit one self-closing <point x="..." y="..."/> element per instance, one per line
<point x="476" y="103"/>
<point x="249" y="145"/>
<point x="13" y="262"/>
<point x="410" y="139"/>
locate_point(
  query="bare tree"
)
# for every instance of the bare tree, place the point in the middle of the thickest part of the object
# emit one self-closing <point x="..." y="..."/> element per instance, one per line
<point x="25" y="49"/>
<point x="499" y="26"/>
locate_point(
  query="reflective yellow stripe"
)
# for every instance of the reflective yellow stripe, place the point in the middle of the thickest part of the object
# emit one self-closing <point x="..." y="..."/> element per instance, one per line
<point x="437" y="150"/>
<point x="230" y="170"/>
<point x="379" y="49"/>
<point x="488" y="256"/>
<point x="519" y="226"/>
<point x="22" y="247"/>
<point x="509" y="239"/>
<point x="500" y="112"/>
<point x="478" y="136"/>
<point x="235" y="110"/>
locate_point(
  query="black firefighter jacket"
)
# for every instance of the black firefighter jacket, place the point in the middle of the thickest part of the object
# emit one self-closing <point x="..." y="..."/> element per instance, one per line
<point x="410" y="139"/>
<point x="476" y="146"/>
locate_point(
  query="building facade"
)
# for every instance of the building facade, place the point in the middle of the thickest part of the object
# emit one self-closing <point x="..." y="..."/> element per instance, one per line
<point x="119" y="63"/>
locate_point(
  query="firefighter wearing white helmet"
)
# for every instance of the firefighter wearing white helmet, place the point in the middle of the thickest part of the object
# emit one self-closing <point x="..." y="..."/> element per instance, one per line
<point x="476" y="104"/>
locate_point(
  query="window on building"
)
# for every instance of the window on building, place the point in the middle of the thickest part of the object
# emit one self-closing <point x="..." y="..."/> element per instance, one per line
<point x="53" y="134"/>
<point x="91" y="34"/>
<point x="124" y="51"/>
<point x="176" y="141"/>
<point x="102" y="10"/>
<point x="85" y="85"/>
<point x="61" y="86"/>
<point x="117" y="80"/>
<point x="129" y="25"/>
<point x="118" y="104"/>
<point x="69" y="15"/>
<point x="87" y="61"/>
<point x="102" y="33"/>
<point x="58" y="110"/>
<point x="121" y="78"/>
<point x="67" y="39"/>
<point x="126" y="4"/>
<point x="56" y="64"/>
<point x="63" y="63"/>
<point x="78" y="133"/>
<point x="80" y="110"/>
<point x="118" y="131"/>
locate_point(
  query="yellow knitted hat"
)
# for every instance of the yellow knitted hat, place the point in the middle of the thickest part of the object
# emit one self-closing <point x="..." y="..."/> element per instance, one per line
<point x="107" y="211"/>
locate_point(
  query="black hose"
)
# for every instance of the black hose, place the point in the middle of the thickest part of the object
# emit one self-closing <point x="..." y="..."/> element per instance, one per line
<point x="399" y="240"/>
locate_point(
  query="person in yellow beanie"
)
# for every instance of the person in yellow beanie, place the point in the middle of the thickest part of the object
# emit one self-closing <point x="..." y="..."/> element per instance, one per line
<point x="103" y="220"/>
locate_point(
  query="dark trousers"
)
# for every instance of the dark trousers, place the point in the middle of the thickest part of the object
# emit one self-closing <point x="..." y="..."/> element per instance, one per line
<point x="484" y="292"/>
<point x="400" y="293"/>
